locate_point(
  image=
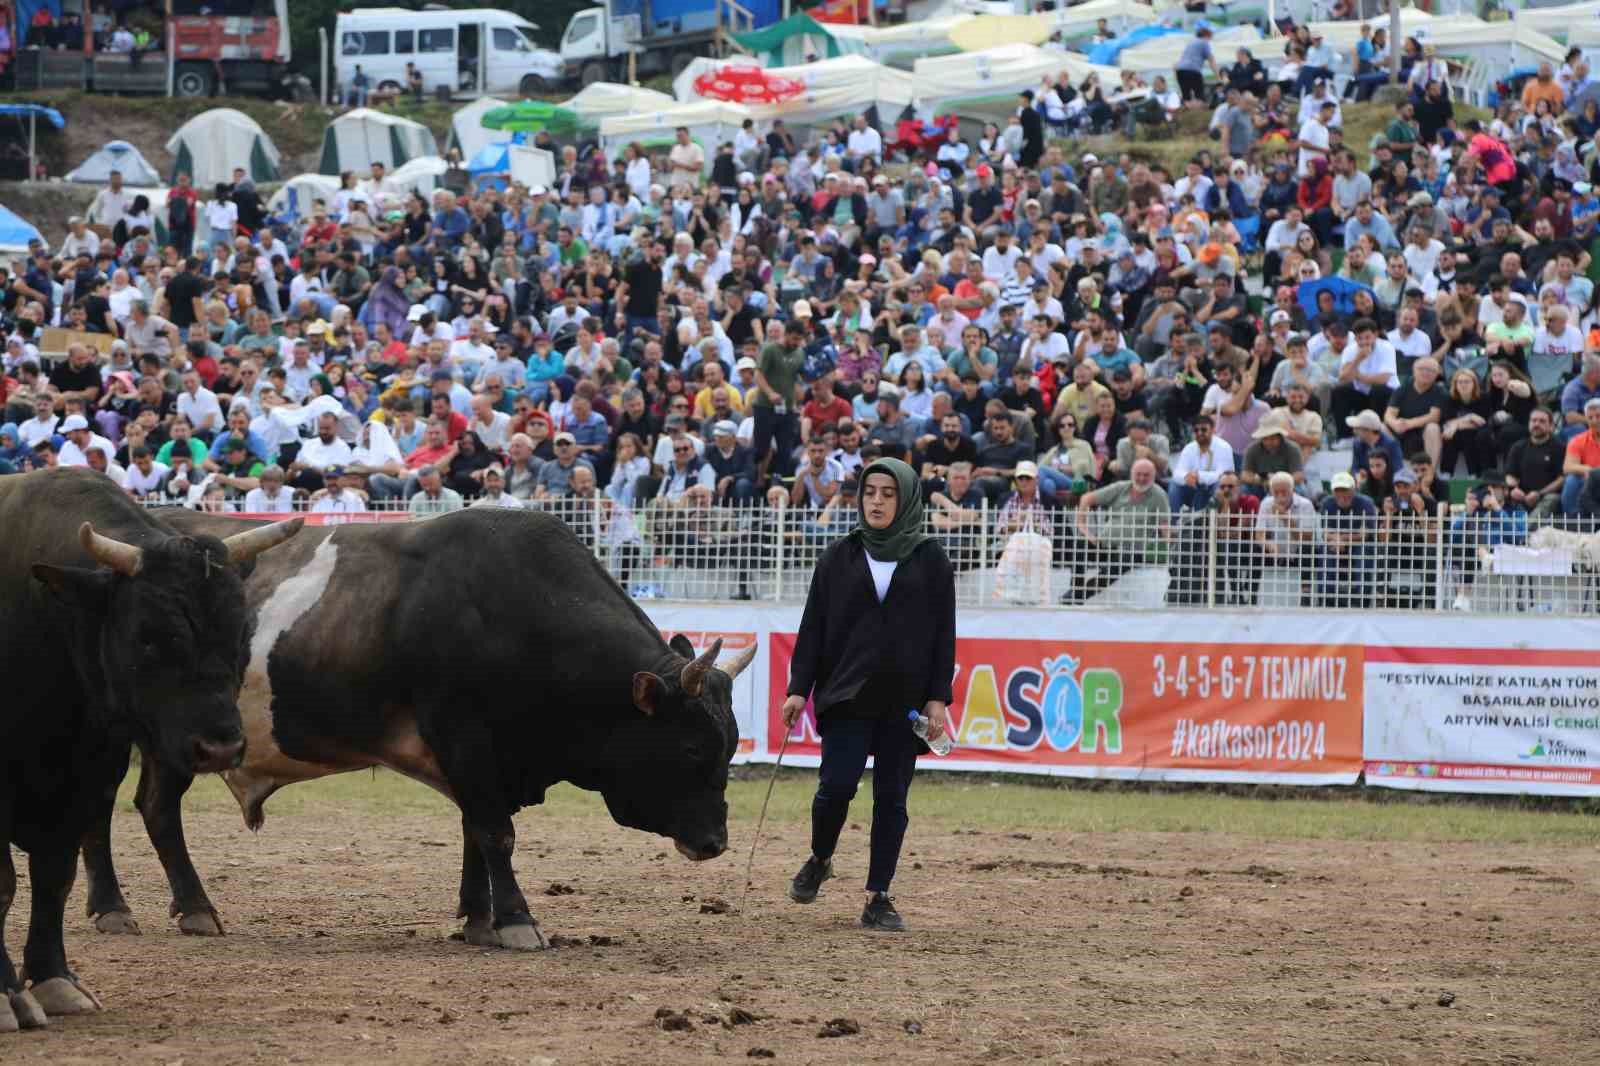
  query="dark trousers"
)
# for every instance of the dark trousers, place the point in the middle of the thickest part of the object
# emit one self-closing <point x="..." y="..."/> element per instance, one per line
<point x="1347" y="401"/>
<point x="846" y="743"/>
<point x="778" y="433"/>
<point x="1192" y="84"/>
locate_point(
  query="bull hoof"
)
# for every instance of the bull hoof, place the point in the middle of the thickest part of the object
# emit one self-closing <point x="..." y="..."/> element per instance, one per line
<point x="65" y="996"/>
<point x="480" y="932"/>
<point x="203" y="923"/>
<point x="117" y="923"/>
<point x="522" y="938"/>
<point x="24" y="1011"/>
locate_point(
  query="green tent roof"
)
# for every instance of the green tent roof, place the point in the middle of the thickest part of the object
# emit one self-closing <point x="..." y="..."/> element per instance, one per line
<point x="769" y="41"/>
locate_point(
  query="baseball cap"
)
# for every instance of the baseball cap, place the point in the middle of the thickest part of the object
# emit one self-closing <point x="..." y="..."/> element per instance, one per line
<point x="72" y="422"/>
<point x="565" y="438"/>
<point x="441" y="375"/>
<point x="1280" y="315"/>
<point x="725" y="428"/>
<point x="879" y="179"/>
<point x="334" y="470"/>
<point x="745" y="363"/>
<point x="985" y="170"/>
<point x="888" y="391"/>
<point x="1365" y="420"/>
<point x="801" y="309"/>
<point x="1404" y="474"/>
<point x="1027" y="468"/>
<point x="1343" y="480"/>
<point x="494" y="468"/>
<point x="236" y="443"/>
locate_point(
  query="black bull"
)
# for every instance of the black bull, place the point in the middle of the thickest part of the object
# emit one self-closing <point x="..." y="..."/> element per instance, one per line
<point x="117" y="628"/>
<point x="486" y="654"/>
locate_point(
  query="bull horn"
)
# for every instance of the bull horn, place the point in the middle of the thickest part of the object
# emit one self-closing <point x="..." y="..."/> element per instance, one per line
<point x="693" y="678"/>
<point x="739" y="663"/>
<point x="242" y="547"/>
<point x="125" y="559"/>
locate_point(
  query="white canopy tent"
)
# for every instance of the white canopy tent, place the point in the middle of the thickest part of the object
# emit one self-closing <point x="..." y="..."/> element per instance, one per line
<point x="294" y="197"/>
<point x="357" y="139"/>
<point x="987" y="82"/>
<point x="1077" y="24"/>
<point x="211" y="144"/>
<point x="602" y="98"/>
<point x="422" y="175"/>
<point x="1344" y="34"/>
<point x="710" y="122"/>
<point x="1159" y="54"/>
<point x="846" y="85"/>
<point x="466" y="127"/>
<point x="1558" y="22"/>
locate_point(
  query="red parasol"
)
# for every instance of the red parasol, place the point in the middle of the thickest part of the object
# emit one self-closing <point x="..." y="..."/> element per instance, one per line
<point x="747" y="85"/>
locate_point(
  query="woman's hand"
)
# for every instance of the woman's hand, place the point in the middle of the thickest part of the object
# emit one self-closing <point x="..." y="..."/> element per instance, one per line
<point x="793" y="708"/>
<point x="938" y="719"/>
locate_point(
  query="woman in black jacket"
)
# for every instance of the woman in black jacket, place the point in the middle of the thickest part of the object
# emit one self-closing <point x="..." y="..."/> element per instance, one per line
<point x="877" y="640"/>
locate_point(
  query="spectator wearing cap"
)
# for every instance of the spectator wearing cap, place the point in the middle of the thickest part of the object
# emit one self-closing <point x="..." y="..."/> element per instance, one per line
<point x="893" y="432"/>
<point x="732" y="465"/>
<point x="238" y="470"/>
<point x="342" y="495"/>
<point x="1348" y="530"/>
<point x="79" y="440"/>
<point x="494" y="490"/>
<point x="555" y="477"/>
<point x="1269" y="453"/>
<point x="1026" y="506"/>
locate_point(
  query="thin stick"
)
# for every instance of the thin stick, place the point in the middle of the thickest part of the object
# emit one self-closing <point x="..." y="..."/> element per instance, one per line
<point x="762" y="821"/>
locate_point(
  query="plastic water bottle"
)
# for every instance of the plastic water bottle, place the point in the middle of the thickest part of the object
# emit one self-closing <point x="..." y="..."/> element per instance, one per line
<point x="920" y="724"/>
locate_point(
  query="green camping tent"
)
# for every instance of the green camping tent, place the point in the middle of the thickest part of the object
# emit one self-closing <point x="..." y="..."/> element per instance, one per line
<point x="790" y="42"/>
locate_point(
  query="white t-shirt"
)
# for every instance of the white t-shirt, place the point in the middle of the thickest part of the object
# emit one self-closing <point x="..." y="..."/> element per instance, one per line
<point x="1380" y="361"/>
<point x="1422" y="261"/>
<point x="1312" y="132"/>
<point x="142" y="484"/>
<point x="257" y="501"/>
<point x="33" y="430"/>
<point x="222" y="216"/>
<point x="864" y="143"/>
<point x="201" y="409"/>
<point x="882" y="574"/>
<point x="998" y="265"/>
<point x="1417" y="346"/>
<point x="339" y="503"/>
<point x="320" y="456"/>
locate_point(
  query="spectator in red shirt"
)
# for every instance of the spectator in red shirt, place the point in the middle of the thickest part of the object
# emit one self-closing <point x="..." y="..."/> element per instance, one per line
<point x="822" y="407"/>
<point x="454" y="422"/>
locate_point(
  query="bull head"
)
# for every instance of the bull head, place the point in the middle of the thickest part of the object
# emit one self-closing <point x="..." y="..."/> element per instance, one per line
<point x="648" y="687"/>
<point x="127" y="559"/>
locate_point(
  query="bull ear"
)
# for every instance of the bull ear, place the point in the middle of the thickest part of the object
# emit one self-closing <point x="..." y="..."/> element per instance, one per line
<point x="680" y="644"/>
<point x="648" y="691"/>
<point x="86" y="590"/>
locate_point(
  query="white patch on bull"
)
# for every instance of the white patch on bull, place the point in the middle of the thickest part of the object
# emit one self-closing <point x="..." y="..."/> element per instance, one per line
<point x="266" y="768"/>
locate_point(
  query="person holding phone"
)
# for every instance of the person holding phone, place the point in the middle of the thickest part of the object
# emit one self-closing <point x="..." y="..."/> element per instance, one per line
<point x="878" y="638"/>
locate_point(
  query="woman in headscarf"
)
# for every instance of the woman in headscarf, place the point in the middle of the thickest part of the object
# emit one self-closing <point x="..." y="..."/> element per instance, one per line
<point x="876" y="649"/>
<point x="388" y="303"/>
<point x="10" y="449"/>
<point x="377" y="456"/>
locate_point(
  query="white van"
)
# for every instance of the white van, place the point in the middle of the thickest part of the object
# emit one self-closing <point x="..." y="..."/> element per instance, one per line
<point x="472" y="51"/>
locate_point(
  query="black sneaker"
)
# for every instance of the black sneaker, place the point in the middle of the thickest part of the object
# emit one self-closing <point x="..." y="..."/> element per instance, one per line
<point x="808" y="882"/>
<point x="881" y="915"/>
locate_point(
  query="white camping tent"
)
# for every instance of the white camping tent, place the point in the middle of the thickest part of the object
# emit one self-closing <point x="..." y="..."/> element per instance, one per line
<point x="987" y="83"/>
<point x="1075" y="25"/>
<point x="846" y="85"/>
<point x="294" y="197"/>
<point x="116" y="155"/>
<point x="357" y="139"/>
<point x="418" y="175"/>
<point x="710" y="122"/>
<point x="1159" y="54"/>
<point x="466" y="127"/>
<point x="603" y="98"/>
<point x="902" y="44"/>
<point x="211" y="144"/>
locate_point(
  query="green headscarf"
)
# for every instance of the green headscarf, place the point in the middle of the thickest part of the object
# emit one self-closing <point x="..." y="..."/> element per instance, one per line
<point x="907" y="531"/>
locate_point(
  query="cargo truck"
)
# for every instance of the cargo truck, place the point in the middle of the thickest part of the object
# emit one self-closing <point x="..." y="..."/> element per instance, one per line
<point x="663" y="36"/>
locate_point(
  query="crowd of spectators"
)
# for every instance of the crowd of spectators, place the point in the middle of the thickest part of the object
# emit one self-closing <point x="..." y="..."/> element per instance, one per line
<point x="1307" y="337"/>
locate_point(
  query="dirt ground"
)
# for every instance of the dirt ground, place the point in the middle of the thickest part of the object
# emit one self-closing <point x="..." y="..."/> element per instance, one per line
<point x="1047" y="947"/>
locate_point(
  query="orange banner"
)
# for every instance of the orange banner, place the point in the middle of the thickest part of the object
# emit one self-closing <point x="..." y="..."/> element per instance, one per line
<point x="1195" y="711"/>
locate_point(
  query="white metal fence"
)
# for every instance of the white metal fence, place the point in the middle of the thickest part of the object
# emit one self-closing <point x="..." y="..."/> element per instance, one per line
<point x="1481" y="561"/>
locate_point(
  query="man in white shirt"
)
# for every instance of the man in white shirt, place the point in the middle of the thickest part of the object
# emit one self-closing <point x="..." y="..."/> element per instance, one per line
<point x="319" y="453"/>
<point x="494" y="490"/>
<point x="1044" y="346"/>
<point x="80" y="240"/>
<point x="1198" y="467"/>
<point x="298" y="374"/>
<point x="864" y="142"/>
<point x="686" y="160"/>
<point x="1421" y="251"/>
<point x="269" y="497"/>
<point x="1313" y="138"/>
<point x="111" y="203"/>
<point x="474" y="351"/>
<point x="144" y="475"/>
<point x="1043" y="254"/>
<point x="342" y="496"/>
<point x="1368" y="373"/>
<point x="1410" y="343"/>
<point x="199" y="405"/>
<point x="80" y="438"/>
<point x="1193" y="183"/>
<point x="42" y="426"/>
<point x="492" y="427"/>
<point x="1000" y="260"/>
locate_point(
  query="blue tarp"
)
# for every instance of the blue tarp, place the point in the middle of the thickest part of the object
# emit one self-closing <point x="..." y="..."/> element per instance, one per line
<point x="14" y="231"/>
<point x="49" y="114"/>
<point x="491" y="159"/>
<point x="1106" y="52"/>
<point x="26" y="9"/>
<point x="1344" y="295"/>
